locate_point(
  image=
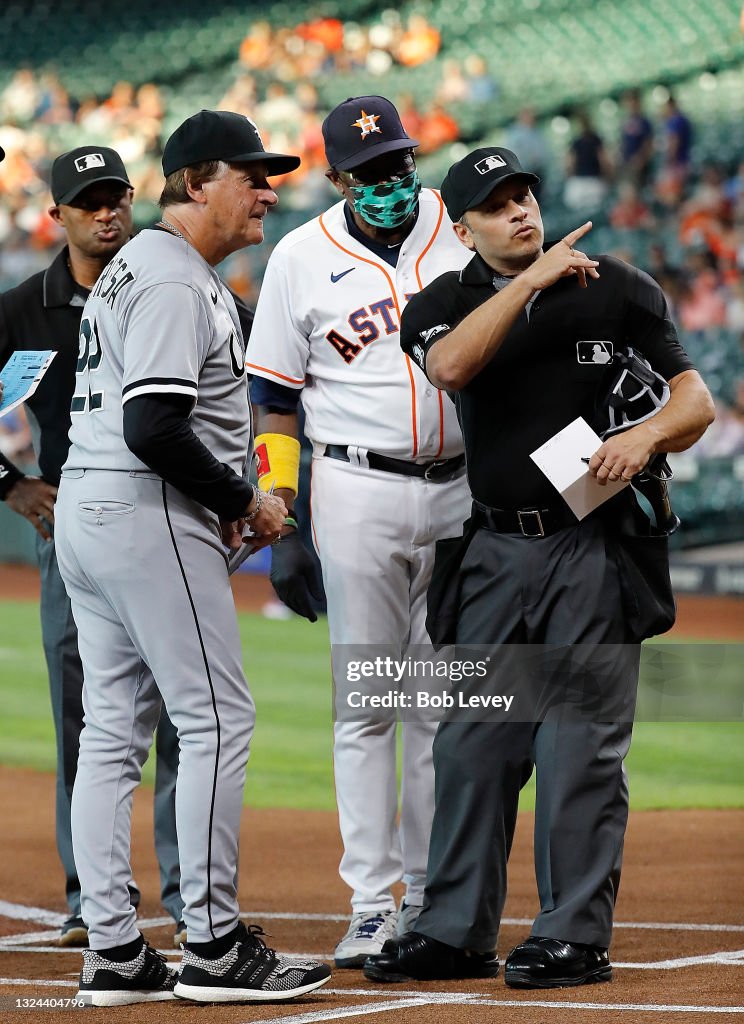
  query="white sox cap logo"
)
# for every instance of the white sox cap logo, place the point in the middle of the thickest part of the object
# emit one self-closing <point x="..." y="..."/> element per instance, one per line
<point x="90" y="160"/>
<point x="254" y="126"/>
<point x="490" y="163"/>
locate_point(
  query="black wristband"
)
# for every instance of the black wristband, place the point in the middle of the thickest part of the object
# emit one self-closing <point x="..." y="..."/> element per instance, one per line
<point x="9" y="477"/>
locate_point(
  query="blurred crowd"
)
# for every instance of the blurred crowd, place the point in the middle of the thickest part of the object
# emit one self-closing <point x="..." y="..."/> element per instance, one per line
<point x="641" y="182"/>
<point x="274" y="83"/>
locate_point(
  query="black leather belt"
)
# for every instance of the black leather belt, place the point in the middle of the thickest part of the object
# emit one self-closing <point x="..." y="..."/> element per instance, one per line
<point x="530" y="522"/>
<point x="445" y="469"/>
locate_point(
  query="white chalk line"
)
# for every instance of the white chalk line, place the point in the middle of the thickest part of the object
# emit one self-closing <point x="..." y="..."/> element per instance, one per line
<point x="724" y="958"/>
<point x="41" y="982"/>
<point x="734" y="957"/>
<point x="165" y="951"/>
<point x="21" y="912"/>
<point x="355" y="1010"/>
<point x="468" y="999"/>
<point x="405" y="999"/>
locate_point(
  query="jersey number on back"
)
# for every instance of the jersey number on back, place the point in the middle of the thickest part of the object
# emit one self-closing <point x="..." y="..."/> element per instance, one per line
<point x="89" y="360"/>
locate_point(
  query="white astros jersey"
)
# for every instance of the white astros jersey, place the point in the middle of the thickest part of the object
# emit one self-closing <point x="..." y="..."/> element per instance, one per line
<point x="328" y="321"/>
<point x="158" y="321"/>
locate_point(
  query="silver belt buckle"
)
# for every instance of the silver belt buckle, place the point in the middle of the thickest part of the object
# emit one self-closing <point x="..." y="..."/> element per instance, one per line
<point x="432" y="468"/>
<point x="538" y="522"/>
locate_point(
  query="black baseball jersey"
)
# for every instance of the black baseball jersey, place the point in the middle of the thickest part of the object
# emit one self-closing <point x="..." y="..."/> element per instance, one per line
<point x="44" y="313"/>
<point x="549" y="369"/>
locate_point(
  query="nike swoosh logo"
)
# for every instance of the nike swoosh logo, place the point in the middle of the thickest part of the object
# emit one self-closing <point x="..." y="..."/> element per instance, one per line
<point x="337" y="277"/>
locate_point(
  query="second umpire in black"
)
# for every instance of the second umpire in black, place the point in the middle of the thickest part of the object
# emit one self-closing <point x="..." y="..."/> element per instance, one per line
<point x="522" y="335"/>
<point x="93" y="203"/>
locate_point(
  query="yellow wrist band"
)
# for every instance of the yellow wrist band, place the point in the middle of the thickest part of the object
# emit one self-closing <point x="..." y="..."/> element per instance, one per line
<point x="278" y="462"/>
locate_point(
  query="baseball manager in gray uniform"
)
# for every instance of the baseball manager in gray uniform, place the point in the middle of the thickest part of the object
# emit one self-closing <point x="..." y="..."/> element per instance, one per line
<point x="151" y="489"/>
<point x="92" y="203"/>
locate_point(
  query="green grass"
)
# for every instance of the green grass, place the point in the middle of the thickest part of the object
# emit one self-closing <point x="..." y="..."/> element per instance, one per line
<point x="288" y="666"/>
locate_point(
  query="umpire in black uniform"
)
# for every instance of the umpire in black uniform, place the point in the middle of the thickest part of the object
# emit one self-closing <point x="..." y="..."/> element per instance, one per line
<point x="93" y="203"/>
<point x="522" y="336"/>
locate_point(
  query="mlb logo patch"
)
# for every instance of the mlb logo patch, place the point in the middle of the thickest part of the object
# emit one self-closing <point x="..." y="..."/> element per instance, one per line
<point x="89" y="161"/>
<point x="596" y="352"/>
<point x="490" y="163"/>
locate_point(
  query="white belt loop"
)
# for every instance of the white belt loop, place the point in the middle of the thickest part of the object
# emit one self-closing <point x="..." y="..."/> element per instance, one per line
<point x="358" y="456"/>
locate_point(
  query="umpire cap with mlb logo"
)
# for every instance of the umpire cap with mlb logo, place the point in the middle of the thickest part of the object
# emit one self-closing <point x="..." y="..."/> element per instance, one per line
<point x="221" y="135"/>
<point x="361" y="129"/>
<point x="87" y="165"/>
<point x="472" y="179"/>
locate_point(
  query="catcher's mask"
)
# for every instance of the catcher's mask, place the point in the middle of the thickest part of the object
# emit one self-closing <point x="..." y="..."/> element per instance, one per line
<point x="633" y="393"/>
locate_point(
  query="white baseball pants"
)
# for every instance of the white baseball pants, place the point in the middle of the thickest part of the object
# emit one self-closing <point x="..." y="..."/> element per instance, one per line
<point x="375" y="532"/>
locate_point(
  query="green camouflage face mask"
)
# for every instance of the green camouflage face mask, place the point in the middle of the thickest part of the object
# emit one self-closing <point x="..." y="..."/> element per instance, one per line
<point x="387" y="205"/>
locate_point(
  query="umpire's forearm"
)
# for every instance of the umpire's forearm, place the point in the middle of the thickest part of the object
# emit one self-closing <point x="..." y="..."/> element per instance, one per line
<point x="686" y="416"/>
<point x="453" y="362"/>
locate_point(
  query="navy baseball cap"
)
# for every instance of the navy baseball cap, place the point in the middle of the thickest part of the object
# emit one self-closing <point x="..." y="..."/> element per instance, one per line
<point x="87" y="165"/>
<point x="472" y="179"/>
<point x="221" y="135"/>
<point x="362" y="128"/>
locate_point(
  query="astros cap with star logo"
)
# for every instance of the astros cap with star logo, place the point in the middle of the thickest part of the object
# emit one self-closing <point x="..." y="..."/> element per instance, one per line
<point x="362" y="128"/>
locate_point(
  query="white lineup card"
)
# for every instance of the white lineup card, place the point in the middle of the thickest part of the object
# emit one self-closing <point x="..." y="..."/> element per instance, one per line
<point x="560" y="459"/>
<point x="21" y="376"/>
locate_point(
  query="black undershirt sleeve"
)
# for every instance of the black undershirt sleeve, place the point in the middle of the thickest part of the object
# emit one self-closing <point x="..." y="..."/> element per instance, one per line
<point x="273" y="396"/>
<point x="157" y="431"/>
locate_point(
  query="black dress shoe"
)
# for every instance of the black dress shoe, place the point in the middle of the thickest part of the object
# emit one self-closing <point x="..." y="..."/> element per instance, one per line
<point x="417" y="957"/>
<point x="549" y="963"/>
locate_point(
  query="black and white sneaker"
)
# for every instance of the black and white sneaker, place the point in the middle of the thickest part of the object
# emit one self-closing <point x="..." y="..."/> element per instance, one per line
<point x="250" y="972"/>
<point x="146" y="979"/>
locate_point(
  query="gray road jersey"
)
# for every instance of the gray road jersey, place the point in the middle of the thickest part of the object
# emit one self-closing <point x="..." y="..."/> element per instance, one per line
<point x="159" y="321"/>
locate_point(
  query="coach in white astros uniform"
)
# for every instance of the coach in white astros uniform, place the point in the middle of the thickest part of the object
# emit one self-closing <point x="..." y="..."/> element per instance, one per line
<point x="388" y="470"/>
<point x="152" y="486"/>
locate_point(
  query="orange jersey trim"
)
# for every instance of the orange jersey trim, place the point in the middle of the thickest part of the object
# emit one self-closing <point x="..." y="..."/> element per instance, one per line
<point x="374" y="263"/>
<point x="431" y="240"/>
<point x="441" y="425"/>
<point x="310" y="506"/>
<point x="421" y="285"/>
<point x="413" y="406"/>
<point x="275" y="373"/>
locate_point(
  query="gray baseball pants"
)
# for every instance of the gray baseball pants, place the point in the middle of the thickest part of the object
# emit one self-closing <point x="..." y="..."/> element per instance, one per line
<point x="59" y="635"/>
<point x="561" y="592"/>
<point x="147" y="577"/>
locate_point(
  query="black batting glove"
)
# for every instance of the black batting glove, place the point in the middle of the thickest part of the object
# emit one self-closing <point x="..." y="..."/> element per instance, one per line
<point x="294" y="577"/>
